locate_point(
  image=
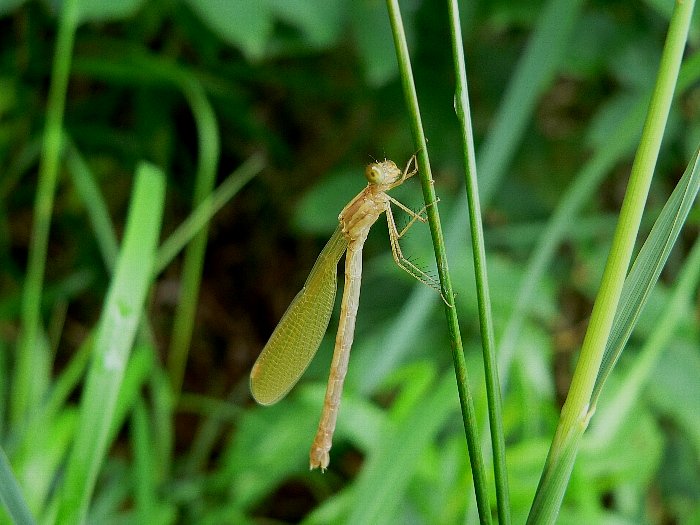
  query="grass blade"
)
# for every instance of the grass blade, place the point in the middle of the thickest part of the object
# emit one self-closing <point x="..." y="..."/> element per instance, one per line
<point x="25" y="393"/>
<point x="145" y="493"/>
<point x="203" y="213"/>
<point x="95" y="205"/>
<point x="114" y="338"/>
<point x="576" y="412"/>
<point x="647" y="268"/>
<point x="488" y="343"/>
<point x="407" y="438"/>
<point x="11" y="494"/>
<point x="465" y="397"/>
<point x="205" y="178"/>
<point x="611" y="416"/>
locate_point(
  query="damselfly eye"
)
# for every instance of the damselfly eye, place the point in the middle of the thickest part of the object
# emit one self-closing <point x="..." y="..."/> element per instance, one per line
<point x="374" y="173"/>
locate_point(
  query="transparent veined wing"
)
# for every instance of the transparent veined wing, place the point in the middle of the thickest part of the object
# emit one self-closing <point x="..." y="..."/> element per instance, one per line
<point x="298" y="335"/>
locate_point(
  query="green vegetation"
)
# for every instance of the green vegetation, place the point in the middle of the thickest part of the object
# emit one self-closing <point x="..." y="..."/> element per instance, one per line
<point x="169" y="172"/>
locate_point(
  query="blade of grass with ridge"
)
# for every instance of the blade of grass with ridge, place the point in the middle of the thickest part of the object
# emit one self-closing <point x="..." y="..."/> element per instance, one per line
<point x="113" y="341"/>
<point x="611" y="415"/>
<point x="576" y="412"/>
<point x="647" y="268"/>
<point x="193" y="261"/>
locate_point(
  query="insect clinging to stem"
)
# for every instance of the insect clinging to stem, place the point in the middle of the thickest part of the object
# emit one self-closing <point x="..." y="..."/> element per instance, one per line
<point x="298" y="335"/>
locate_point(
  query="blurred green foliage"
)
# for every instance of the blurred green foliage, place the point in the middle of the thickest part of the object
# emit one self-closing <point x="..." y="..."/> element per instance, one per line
<point x="314" y="87"/>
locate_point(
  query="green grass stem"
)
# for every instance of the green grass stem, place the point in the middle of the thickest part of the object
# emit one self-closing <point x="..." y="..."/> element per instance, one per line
<point x="577" y="410"/>
<point x="203" y="213"/>
<point x="488" y="343"/>
<point x="25" y="393"/>
<point x="465" y="398"/>
<point x="192" y="266"/>
<point x="540" y="61"/>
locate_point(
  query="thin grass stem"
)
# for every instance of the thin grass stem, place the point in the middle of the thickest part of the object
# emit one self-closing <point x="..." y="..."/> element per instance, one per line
<point x="24" y="391"/>
<point x="465" y="397"/>
<point x="577" y="410"/>
<point x="488" y="343"/>
<point x="192" y="266"/>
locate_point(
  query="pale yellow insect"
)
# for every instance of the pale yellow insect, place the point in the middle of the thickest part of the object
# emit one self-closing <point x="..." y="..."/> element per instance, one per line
<point x="298" y="335"/>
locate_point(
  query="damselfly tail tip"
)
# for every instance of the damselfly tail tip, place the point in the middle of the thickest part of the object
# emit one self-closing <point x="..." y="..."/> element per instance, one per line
<point x="319" y="459"/>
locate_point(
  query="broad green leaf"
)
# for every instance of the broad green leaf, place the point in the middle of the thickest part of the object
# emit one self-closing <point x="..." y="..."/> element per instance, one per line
<point x="246" y="25"/>
<point x="97" y="10"/>
<point x="373" y="40"/>
<point x="105" y="10"/>
<point x="320" y="22"/>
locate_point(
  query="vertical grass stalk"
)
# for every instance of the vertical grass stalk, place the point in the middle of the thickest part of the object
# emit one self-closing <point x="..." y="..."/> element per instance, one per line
<point x="493" y="390"/>
<point x="539" y="63"/>
<point x="465" y="397"/>
<point x="576" y="411"/>
<point x="192" y="266"/>
<point x="23" y="392"/>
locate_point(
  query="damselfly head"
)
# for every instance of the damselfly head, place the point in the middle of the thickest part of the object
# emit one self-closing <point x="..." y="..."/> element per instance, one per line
<point x="385" y="172"/>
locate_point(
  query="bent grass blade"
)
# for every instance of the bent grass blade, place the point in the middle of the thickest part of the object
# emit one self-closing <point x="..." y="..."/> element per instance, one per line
<point x="298" y="335"/>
